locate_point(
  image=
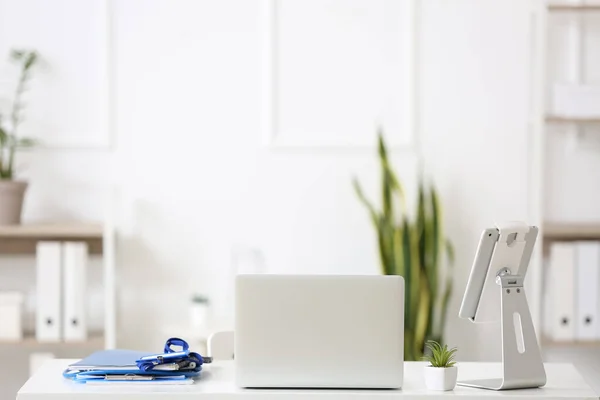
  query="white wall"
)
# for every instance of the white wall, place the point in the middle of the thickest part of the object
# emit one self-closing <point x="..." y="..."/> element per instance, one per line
<point x="474" y="113"/>
<point x="185" y="119"/>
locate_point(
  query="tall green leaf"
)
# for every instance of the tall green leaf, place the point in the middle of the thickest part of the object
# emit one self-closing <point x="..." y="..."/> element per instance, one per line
<point x="422" y="318"/>
<point x="3" y="136"/>
<point x="434" y="249"/>
<point x="386" y="185"/>
<point x="448" y="288"/>
<point x="414" y="250"/>
<point x="421" y="227"/>
<point x="366" y="202"/>
<point x="408" y="272"/>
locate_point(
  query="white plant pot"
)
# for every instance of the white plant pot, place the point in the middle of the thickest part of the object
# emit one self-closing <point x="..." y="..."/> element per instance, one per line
<point x="440" y="378"/>
<point x="198" y="316"/>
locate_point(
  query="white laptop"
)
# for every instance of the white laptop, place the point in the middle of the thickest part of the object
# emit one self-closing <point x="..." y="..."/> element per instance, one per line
<point x="319" y="331"/>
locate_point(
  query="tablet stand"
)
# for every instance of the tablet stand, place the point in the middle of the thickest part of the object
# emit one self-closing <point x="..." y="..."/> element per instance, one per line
<point x="522" y="365"/>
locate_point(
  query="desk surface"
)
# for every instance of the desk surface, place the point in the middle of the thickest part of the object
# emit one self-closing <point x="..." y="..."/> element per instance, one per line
<point x="564" y="382"/>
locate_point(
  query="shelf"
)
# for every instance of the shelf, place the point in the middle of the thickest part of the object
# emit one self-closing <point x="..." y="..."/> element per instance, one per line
<point x="571" y="120"/>
<point x="550" y="343"/>
<point x="573" y="7"/>
<point x="571" y="231"/>
<point x="29" y="341"/>
<point x="22" y="239"/>
<point x="52" y="230"/>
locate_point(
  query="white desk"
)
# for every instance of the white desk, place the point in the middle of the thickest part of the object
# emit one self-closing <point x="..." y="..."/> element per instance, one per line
<point x="564" y="382"/>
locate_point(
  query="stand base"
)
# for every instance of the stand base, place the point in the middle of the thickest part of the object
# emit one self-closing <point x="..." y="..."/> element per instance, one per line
<point x="491" y="384"/>
<point x="499" y="384"/>
<point x="522" y="365"/>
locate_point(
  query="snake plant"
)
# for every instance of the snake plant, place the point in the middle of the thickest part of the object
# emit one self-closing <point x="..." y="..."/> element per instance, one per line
<point x="414" y="247"/>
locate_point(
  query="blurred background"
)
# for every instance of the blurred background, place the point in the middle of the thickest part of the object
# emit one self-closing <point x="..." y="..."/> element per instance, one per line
<point x="184" y="141"/>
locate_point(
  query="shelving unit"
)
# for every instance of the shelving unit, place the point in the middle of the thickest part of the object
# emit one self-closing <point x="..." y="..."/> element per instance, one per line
<point x="573" y="7"/>
<point x="22" y="239"/>
<point x="562" y="231"/>
<point x="578" y="344"/>
<point x="553" y="231"/>
<point x="100" y="238"/>
<point x="569" y="120"/>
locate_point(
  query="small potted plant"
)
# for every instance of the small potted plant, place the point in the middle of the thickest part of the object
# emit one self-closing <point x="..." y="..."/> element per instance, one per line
<point x="441" y="373"/>
<point x="12" y="191"/>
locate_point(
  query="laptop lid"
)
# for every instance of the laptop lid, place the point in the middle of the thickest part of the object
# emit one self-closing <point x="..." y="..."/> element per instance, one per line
<point x="319" y="331"/>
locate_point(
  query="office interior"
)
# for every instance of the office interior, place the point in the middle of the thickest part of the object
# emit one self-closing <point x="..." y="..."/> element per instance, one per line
<point x="184" y="142"/>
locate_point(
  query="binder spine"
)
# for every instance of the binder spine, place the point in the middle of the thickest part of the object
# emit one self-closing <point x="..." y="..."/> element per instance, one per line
<point x="75" y="283"/>
<point x="48" y="287"/>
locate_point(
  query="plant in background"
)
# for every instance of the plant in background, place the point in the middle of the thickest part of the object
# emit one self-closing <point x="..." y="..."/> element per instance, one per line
<point x="9" y="140"/>
<point x="199" y="312"/>
<point x="441" y="356"/>
<point x="414" y="248"/>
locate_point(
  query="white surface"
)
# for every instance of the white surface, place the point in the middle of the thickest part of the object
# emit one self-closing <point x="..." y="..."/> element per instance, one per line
<point x="317" y="331"/>
<point x="48" y="325"/>
<point x="11" y="313"/>
<point x="585" y="358"/>
<point x="440" y="378"/>
<point x="564" y="382"/>
<point x="74" y="291"/>
<point x="587" y="289"/>
<point x="562" y="291"/>
<point x="37" y="359"/>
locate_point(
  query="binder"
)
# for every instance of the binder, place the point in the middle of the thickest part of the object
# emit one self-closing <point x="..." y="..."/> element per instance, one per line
<point x="547" y="300"/>
<point x="75" y="284"/>
<point x="48" y="296"/>
<point x="562" y="282"/>
<point x="587" y="286"/>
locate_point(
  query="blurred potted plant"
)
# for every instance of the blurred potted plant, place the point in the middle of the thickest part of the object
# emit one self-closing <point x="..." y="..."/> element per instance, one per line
<point x="414" y="248"/>
<point x="12" y="191"/>
<point x="199" y="312"/>
<point x="441" y="373"/>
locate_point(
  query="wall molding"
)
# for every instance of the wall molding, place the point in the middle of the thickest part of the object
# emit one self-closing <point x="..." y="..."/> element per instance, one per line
<point x="272" y="136"/>
<point x="63" y="133"/>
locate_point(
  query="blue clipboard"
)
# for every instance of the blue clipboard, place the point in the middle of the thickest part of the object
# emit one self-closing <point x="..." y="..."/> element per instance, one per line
<point x="128" y="365"/>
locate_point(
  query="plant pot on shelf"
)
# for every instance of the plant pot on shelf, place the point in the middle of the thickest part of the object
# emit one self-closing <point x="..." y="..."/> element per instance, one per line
<point x="12" y="194"/>
<point x="440" y="378"/>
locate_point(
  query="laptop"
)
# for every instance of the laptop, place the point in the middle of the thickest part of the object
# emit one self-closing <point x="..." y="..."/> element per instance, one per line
<point x="319" y="331"/>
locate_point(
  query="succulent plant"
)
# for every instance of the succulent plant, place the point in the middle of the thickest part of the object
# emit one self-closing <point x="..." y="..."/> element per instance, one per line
<point x="440" y="356"/>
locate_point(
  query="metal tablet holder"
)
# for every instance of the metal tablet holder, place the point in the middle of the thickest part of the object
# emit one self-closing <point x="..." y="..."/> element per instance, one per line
<point x="522" y="365"/>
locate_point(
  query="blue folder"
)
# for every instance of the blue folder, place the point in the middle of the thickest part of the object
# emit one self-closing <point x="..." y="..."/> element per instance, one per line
<point x="110" y="360"/>
<point x="131" y="365"/>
